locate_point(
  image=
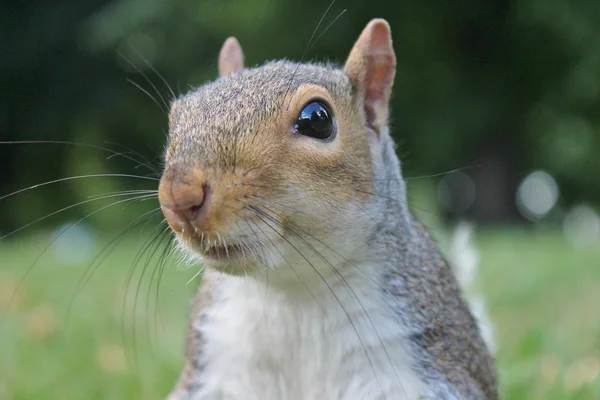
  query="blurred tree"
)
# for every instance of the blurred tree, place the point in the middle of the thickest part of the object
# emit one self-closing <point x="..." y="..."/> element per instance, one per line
<point x="509" y="85"/>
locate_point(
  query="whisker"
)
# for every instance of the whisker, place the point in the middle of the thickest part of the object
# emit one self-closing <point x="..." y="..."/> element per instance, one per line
<point x="147" y="244"/>
<point x="160" y="106"/>
<point x="367" y="214"/>
<point x="326" y="245"/>
<point x="306" y="49"/>
<point x="317" y="239"/>
<point x="92" y="146"/>
<point x="335" y="270"/>
<point x="95" y="264"/>
<point x="296" y="210"/>
<point x="289" y="264"/>
<point x="316" y="29"/>
<point x="197" y="274"/>
<point x="332" y="249"/>
<point x="71" y="178"/>
<point x="30" y="268"/>
<point x="162" y="262"/>
<point x="161" y="236"/>
<point x="396" y="200"/>
<point x="256" y="235"/>
<point x="327" y="28"/>
<point x="139" y="71"/>
<point x="260" y="186"/>
<point x="67" y="208"/>
<point x="156" y="234"/>
<point x="104" y="253"/>
<point x="154" y="70"/>
<point x="258" y="213"/>
<point x="411" y="178"/>
<point x="146" y="161"/>
<point x="123" y="192"/>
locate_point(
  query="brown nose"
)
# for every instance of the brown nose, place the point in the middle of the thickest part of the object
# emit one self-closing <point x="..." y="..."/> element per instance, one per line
<point x="183" y="201"/>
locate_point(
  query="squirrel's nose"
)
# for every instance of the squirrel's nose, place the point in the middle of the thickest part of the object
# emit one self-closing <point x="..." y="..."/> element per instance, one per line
<point x="183" y="201"/>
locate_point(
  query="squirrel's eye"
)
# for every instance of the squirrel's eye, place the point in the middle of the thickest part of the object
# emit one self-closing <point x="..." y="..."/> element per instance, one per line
<point x="315" y="121"/>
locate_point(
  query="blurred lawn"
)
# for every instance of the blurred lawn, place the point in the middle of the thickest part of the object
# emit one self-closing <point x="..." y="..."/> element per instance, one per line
<point x="544" y="296"/>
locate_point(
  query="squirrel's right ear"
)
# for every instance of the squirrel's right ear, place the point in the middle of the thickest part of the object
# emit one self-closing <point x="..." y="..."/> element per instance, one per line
<point x="231" y="57"/>
<point x="371" y="66"/>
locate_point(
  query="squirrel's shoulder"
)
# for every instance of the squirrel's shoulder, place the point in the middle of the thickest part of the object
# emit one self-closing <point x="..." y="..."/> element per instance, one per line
<point x="443" y="327"/>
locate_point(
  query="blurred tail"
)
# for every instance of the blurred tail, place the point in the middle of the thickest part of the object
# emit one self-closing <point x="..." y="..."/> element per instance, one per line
<point x="464" y="259"/>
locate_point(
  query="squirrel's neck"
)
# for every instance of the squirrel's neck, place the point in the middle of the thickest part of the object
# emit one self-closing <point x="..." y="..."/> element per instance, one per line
<point x="313" y="337"/>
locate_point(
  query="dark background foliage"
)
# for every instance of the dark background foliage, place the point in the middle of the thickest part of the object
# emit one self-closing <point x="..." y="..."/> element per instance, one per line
<point x="504" y="87"/>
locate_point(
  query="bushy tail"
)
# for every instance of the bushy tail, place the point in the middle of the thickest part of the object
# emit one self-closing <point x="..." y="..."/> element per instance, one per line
<point x="464" y="259"/>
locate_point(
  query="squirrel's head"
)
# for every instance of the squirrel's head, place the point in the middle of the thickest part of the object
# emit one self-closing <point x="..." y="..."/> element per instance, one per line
<point x="267" y="161"/>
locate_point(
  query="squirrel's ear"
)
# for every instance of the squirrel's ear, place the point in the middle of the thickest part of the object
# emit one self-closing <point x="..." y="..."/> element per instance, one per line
<point x="231" y="57"/>
<point x="371" y="66"/>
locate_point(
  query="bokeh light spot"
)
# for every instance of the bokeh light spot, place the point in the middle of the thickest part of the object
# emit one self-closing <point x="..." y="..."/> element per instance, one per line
<point x="537" y="195"/>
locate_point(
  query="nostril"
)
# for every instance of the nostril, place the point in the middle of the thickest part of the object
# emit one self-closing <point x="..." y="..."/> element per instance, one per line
<point x="177" y="220"/>
<point x="191" y="213"/>
<point x="184" y="202"/>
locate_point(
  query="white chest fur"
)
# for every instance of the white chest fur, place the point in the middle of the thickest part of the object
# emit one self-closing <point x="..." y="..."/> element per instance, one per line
<point x="261" y="343"/>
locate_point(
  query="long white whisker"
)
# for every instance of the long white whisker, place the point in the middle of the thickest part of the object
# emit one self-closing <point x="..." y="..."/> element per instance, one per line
<point x="69" y="207"/>
<point x="92" y="146"/>
<point x="197" y="274"/>
<point x="70" y="178"/>
<point x="258" y="212"/>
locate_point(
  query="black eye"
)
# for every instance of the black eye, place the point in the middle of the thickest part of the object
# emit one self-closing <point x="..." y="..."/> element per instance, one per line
<point x="315" y="121"/>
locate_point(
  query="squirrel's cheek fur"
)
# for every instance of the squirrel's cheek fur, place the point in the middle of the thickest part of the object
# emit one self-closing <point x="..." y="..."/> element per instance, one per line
<point x="265" y="213"/>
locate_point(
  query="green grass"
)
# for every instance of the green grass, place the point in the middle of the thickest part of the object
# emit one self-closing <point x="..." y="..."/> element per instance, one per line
<point x="544" y="297"/>
<point x="543" y="294"/>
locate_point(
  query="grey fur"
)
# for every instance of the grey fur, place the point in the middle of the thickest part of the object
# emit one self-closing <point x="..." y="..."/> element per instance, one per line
<point x="445" y="334"/>
<point x="451" y="356"/>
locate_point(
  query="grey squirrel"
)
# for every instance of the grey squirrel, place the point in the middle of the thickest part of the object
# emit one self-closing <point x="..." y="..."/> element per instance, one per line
<point x="283" y="182"/>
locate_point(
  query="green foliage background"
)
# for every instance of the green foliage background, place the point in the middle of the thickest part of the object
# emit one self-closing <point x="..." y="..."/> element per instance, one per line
<point x="513" y="80"/>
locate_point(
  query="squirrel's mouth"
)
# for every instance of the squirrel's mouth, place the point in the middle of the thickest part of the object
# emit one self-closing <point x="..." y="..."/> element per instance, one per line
<point x="218" y="252"/>
<point x="227" y="252"/>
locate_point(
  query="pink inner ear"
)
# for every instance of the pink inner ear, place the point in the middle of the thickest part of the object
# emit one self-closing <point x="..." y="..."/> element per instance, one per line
<point x="381" y="67"/>
<point x="231" y="57"/>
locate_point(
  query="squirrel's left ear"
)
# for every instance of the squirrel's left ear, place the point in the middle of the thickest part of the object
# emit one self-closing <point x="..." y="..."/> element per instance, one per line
<point x="371" y="66"/>
<point x="231" y="57"/>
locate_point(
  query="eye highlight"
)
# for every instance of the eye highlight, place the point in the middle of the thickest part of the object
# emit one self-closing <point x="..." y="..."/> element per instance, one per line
<point x="315" y="121"/>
